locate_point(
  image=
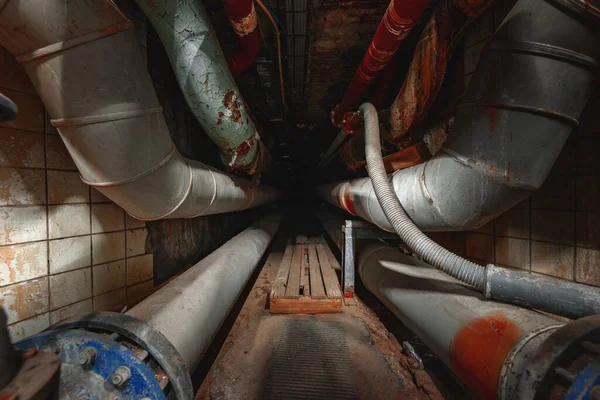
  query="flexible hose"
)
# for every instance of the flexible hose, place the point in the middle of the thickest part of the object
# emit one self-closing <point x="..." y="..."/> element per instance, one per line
<point x="441" y="258"/>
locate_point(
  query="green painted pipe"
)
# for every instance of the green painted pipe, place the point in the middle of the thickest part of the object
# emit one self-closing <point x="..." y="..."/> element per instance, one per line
<point x="205" y="80"/>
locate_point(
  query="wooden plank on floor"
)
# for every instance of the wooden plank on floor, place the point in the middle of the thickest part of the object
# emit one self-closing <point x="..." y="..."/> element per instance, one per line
<point x="330" y="280"/>
<point x="278" y="288"/>
<point x="305" y="305"/>
<point x="305" y="272"/>
<point x="292" y="291"/>
<point x="317" y="290"/>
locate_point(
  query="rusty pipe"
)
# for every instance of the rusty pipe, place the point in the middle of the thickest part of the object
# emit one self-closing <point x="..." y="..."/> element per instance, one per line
<point x="243" y="19"/>
<point x="428" y="66"/>
<point x="399" y="18"/>
<point x="424" y="77"/>
<point x="206" y="82"/>
<point x="479" y="340"/>
<point x="84" y="62"/>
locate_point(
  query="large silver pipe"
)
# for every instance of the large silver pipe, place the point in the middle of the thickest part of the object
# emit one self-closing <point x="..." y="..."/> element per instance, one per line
<point x="482" y="341"/>
<point x="191" y="309"/>
<point x="529" y="88"/>
<point x="85" y="63"/>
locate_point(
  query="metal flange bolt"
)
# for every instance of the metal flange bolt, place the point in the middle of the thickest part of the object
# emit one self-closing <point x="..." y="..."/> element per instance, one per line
<point x="120" y="376"/>
<point x="87" y="357"/>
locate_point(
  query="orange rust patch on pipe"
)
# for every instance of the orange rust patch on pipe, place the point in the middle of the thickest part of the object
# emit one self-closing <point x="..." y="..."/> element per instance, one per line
<point x="479" y="349"/>
<point x="245" y="25"/>
<point x="245" y="147"/>
<point x="230" y="101"/>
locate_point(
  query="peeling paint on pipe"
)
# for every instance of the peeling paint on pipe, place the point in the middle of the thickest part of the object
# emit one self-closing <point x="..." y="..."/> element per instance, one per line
<point x="428" y="67"/>
<point x="243" y="19"/>
<point x="205" y="80"/>
<point x="84" y="62"/>
<point x="398" y="20"/>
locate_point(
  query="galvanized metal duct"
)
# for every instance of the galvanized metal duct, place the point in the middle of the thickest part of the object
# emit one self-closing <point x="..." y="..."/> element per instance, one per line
<point x="205" y="80"/>
<point x="85" y="63"/>
<point x="190" y="310"/>
<point x="530" y="86"/>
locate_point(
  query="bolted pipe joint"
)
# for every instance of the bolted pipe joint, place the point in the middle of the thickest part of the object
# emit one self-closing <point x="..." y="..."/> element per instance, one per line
<point x="87" y="357"/>
<point x="499" y="350"/>
<point x="121" y="376"/>
<point x="150" y="351"/>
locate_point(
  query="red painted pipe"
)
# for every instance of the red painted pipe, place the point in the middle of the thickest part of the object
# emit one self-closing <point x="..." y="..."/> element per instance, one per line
<point x="398" y="20"/>
<point x="428" y="67"/>
<point x="242" y="15"/>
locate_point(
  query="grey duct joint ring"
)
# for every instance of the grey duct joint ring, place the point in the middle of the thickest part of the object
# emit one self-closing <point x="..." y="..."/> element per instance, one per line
<point x="144" y="336"/>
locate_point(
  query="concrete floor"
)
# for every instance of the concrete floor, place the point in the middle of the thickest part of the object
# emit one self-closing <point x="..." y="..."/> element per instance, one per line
<point x="238" y="368"/>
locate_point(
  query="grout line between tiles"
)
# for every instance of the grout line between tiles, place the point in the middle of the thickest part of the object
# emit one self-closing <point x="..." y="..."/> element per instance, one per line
<point x="91" y="249"/>
<point x="576" y="168"/>
<point x="47" y="220"/>
<point x="126" y="257"/>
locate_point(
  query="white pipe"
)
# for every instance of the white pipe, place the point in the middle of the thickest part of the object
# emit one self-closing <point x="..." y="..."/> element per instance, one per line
<point x="191" y="309"/>
<point x="477" y="339"/>
<point x="86" y="65"/>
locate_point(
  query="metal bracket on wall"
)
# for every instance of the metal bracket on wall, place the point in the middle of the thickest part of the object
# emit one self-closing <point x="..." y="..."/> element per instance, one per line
<point x="356" y="230"/>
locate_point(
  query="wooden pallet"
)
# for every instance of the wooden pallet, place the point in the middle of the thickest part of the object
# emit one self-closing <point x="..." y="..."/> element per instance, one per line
<point x="306" y="282"/>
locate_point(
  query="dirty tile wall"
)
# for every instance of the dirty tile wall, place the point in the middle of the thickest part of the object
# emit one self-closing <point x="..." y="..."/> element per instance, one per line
<point x="65" y="249"/>
<point x="557" y="230"/>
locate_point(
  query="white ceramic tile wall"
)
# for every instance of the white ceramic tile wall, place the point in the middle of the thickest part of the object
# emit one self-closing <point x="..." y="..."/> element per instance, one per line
<point x="63" y="245"/>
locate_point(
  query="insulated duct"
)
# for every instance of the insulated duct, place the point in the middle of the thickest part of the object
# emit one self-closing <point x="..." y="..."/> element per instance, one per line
<point x="205" y="80"/>
<point x="86" y="65"/>
<point x="530" y="86"/>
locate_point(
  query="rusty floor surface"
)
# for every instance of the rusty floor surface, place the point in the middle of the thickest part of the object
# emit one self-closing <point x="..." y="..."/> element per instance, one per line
<point x="241" y="367"/>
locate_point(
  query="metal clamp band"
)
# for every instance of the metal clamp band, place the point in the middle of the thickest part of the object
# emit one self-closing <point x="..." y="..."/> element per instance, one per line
<point x="96" y="119"/>
<point x="545" y="50"/>
<point x="161" y="163"/>
<point x="75" y="41"/>
<point x="525" y="109"/>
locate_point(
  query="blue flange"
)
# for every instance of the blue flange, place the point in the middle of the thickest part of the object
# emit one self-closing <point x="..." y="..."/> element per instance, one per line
<point x="586" y="380"/>
<point x="95" y="367"/>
